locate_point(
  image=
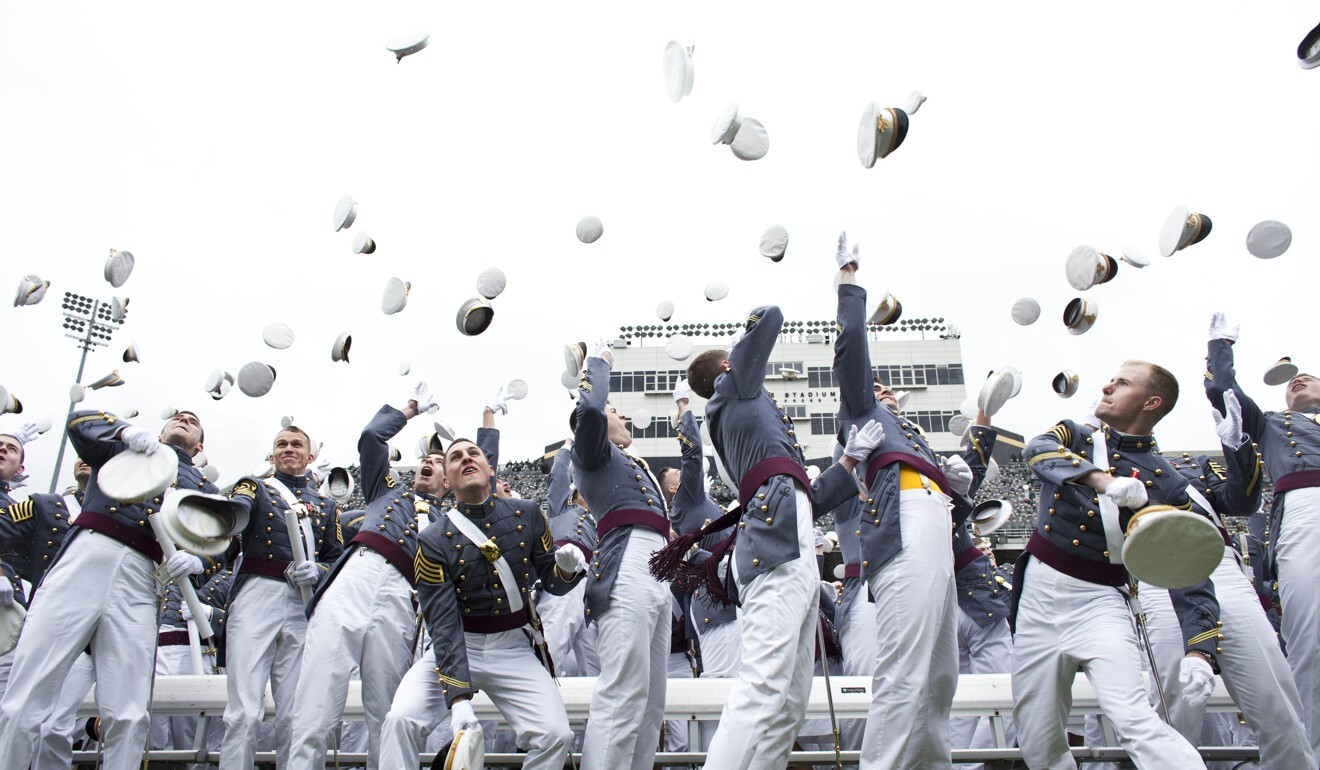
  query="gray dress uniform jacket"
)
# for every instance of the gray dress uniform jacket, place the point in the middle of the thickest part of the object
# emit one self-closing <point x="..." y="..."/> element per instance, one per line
<point x="904" y="444"/>
<point x="460" y="590"/>
<point x="265" y="542"/>
<point x="569" y="524"/>
<point x="94" y="436"/>
<point x="691" y="509"/>
<point x="1070" y="535"/>
<point x="31" y="534"/>
<point x="618" y="486"/>
<point x="755" y="438"/>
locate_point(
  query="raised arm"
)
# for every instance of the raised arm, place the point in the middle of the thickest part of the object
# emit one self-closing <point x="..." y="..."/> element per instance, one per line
<point x="557" y="485"/>
<point x="749" y="355"/>
<point x="1221" y="377"/>
<point x="95" y="436"/>
<point x="374" y="450"/>
<point x="591" y="442"/>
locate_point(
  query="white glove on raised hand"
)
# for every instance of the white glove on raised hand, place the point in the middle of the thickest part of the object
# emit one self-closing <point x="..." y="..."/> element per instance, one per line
<point x="305" y="574"/>
<point x="570" y="560"/>
<point x="462" y="717"/>
<point x="501" y="402"/>
<point x="183" y="564"/>
<point x="1197" y="680"/>
<point x="1229" y="424"/>
<point x="861" y="443"/>
<point x="845" y="257"/>
<point x="421" y="393"/>
<point x="959" y="474"/>
<point x="1127" y="493"/>
<point x="604" y="350"/>
<point x="27" y="433"/>
<point x="6" y="591"/>
<point x="140" y="439"/>
<point x="186" y="612"/>
<point x="682" y="391"/>
<point x="1219" y="328"/>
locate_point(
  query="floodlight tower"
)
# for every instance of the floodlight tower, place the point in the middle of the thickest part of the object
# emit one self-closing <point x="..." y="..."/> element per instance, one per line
<point x="90" y="323"/>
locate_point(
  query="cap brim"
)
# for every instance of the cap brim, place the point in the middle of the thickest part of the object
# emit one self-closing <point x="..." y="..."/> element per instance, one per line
<point x="1280" y="373"/>
<point x="131" y="477"/>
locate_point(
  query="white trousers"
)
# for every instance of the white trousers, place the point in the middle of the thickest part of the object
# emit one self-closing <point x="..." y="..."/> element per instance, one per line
<point x="55" y="749"/>
<point x="982" y="650"/>
<point x="768" y="702"/>
<point x="859" y="649"/>
<point x="1253" y="668"/>
<point x="173" y="732"/>
<point x="1064" y="623"/>
<point x="1296" y="543"/>
<point x="628" y="704"/>
<point x="570" y="639"/>
<point x="504" y="667"/>
<point x="916" y="661"/>
<point x="721" y="657"/>
<point x="676" y="732"/>
<point x="102" y="592"/>
<point x="365" y="620"/>
<point x="264" y="641"/>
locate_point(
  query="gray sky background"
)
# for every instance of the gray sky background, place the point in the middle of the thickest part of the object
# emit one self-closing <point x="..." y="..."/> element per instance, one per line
<point x="213" y="144"/>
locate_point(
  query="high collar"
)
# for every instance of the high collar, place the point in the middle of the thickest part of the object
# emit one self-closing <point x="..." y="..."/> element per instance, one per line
<point x="475" y="510"/>
<point x="1129" y="442"/>
<point x="290" y="480"/>
<point x="5" y="487"/>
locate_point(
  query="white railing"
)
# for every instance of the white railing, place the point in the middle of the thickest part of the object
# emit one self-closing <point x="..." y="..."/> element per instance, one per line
<point x="690" y="700"/>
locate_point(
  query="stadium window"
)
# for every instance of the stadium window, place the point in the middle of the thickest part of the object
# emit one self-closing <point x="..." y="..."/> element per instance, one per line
<point x="824" y="424"/>
<point x="798" y="411"/>
<point x="820" y="377"/>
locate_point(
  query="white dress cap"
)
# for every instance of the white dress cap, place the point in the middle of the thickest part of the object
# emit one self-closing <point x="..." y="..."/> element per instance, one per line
<point x="665" y="310"/>
<point x="726" y="126"/>
<point x="277" y="335"/>
<point x="345" y="213"/>
<point x="678" y="347"/>
<point x="9" y="403"/>
<point x="404" y="368"/>
<point x="1065" y="383"/>
<point x="395" y="296"/>
<point x="131" y="354"/>
<point x="1135" y="257"/>
<point x="516" y="390"/>
<point x="255" y="379"/>
<point x="474" y="316"/>
<point x="1080" y="314"/>
<point x="1308" y="51"/>
<point x="678" y="70"/>
<point x="118" y="309"/>
<point x="589" y="229"/>
<point x="1087" y="267"/>
<point x="339" y="351"/>
<point x="752" y="141"/>
<point x="131" y="477"/>
<point x="362" y="244"/>
<point x="31" y="290"/>
<point x="1269" y="239"/>
<point x="569" y="380"/>
<point x="407" y="44"/>
<point x="118" y="267"/>
<point x="914" y="102"/>
<point x="716" y="291"/>
<point x="1026" y="311"/>
<point x="77" y="393"/>
<point x="1282" y="371"/>
<point x="491" y="282"/>
<point x="996" y="392"/>
<point x="641" y="419"/>
<point x="214" y="379"/>
<point x="1016" y="376"/>
<point x="111" y="380"/>
<point x="1182" y="228"/>
<point x="774" y="242"/>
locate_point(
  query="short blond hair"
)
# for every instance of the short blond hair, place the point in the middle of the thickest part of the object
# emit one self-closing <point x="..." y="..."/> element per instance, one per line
<point x="1162" y="384"/>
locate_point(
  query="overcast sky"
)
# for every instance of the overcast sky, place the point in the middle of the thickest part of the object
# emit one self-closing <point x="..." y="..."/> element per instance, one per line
<point x="213" y="142"/>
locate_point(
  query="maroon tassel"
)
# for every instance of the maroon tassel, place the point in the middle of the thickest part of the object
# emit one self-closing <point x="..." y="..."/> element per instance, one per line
<point x="710" y="571"/>
<point x="667" y="563"/>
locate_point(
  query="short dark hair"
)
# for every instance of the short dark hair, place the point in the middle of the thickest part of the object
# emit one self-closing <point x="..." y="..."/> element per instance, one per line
<point x="660" y="474"/>
<point x="444" y="455"/>
<point x="22" y="452"/>
<point x="704" y="370"/>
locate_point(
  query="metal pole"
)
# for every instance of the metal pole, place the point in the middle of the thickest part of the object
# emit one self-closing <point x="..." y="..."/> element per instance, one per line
<point x="64" y="433"/>
<point x="829" y="692"/>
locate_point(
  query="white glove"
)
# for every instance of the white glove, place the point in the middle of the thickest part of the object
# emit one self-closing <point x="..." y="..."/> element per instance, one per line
<point x="26" y="433"/>
<point x="604" y="350"/>
<point x="186" y="612"/>
<point x="305" y="574"/>
<point x="1219" y="328"/>
<point x="1229" y="424"/>
<point x="682" y="391"/>
<point x="461" y="716"/>
<point x="570" y="560"/>
<point x="862" y="442"/>
<point x="845" y="257"/>
<point x="422" y="395"/>
<point x="1197" y="680"/>
<point x="1127" y="493"/>
<point x="182" y="564"/>
<point x="1090" y="419"/>
<point x="6" y="591"/>
<point x="140" y="439"/>
<point x="501" y="402"/>
<point x="958" y="473"/>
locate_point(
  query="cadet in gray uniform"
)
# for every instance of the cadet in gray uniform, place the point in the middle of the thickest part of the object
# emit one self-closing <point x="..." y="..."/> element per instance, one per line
<point x="629" y="607"/>
<point x="571" y="640"/>
<point x="1289" y="442"/>
<point x="267" y="615"/>
<point x="475" y="572"/>
<point x="1071" y="601"/>
<point x="100" y="591"/>
<point x="907" y="557"/>
<point x="362" y="614"/>
<point x="774" y="555"/>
